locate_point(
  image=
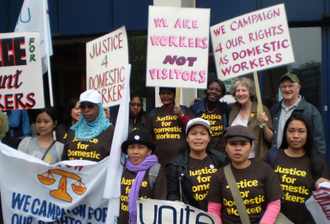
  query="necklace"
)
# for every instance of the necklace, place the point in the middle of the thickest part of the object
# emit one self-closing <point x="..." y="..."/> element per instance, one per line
<point x="210" y="112"/>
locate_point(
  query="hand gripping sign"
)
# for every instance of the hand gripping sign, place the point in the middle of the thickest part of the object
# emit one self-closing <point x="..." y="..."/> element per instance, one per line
<point x="255" y="41"/>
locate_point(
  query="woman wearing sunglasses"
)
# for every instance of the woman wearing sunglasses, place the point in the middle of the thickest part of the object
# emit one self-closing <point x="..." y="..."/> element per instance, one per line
<point x="90" y="138"/>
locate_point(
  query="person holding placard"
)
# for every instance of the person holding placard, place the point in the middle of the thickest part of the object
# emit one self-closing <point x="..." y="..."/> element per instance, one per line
<point x="91" y="137"/>
<point x="44" y="146"/>
<point x="190" y="173"/>
<point x="292" y="101"/>
<point x="71" y="117"/>
<point x="298" y="167"/>
<point x="143" y="176"/>
<point x="244" y="112"/>
<point x="216" y="112"/>
<point x="167" y="125"/>
<point x="258" y="192"/>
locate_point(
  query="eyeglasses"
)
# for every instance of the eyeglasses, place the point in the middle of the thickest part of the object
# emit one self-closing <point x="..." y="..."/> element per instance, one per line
<point x="288" y="86"/>
<point x="89" y="106"/>
<point x="135" y="104"/>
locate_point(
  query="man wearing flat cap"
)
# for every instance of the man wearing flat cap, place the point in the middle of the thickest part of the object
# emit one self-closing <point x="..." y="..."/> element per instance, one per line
<point x="292" y="101"/>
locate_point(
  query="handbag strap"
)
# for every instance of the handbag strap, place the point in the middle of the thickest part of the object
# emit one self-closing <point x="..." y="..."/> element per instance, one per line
<point x="236" y="195"/>
<point x="51" y="145"/>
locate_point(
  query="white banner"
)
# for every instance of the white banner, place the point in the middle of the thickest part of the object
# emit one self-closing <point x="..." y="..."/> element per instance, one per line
<point x="34" y="16"/>
<point x="117" y="158"/>
<point x="34" y="192"/>
<point x="178" y="47"/>
<point x="255" y="41"/>
<point x="21" y="82"/>
<point x="107" y="59"/>
<point x="171" y="212"/>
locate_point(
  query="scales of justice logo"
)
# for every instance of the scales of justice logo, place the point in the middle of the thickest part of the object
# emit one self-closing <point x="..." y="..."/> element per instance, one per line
<point x="78" y="187"/>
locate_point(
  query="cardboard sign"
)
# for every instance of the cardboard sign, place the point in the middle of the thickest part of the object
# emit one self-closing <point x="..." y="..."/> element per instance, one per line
<point x="107" y="59"/>
<point x="252" y="42"/>
<point x="171" y="212"/>
<point x="33" y="192"/>
<point x="21" y="85"/>
<point x="178" y="43"/>
<point x="319" y="203"/>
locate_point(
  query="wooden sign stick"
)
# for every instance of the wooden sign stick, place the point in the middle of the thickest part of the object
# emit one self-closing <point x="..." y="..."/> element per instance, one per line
<point x="256" y="83"/>
<point x="177" y="96"/>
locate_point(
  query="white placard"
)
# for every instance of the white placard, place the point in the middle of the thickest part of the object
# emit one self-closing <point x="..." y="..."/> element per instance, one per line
<point x="107" y="60"/>
<point x="255" y="41"/>
<point x="171" y="212"/>
<point x="178" y="47"/>
<point x="21" y="85"/>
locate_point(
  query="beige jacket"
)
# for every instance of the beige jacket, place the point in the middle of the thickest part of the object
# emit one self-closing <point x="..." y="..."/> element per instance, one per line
<point x="261" y="144"/>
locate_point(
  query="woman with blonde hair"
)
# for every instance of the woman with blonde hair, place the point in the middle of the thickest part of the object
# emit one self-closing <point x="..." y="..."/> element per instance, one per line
<point x="244" y="112"/>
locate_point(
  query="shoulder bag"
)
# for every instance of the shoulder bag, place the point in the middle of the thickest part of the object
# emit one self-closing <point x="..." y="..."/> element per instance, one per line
<point x="51" y="145"/>
<point x="281" y="219"/>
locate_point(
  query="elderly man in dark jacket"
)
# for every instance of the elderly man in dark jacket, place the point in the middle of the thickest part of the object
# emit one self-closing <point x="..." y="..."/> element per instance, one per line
<point x="292" y="101"/>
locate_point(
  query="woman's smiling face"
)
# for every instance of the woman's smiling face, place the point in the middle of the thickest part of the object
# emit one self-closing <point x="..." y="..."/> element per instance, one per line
<point x="137" y="153"/>
<point x="242" y="94"/>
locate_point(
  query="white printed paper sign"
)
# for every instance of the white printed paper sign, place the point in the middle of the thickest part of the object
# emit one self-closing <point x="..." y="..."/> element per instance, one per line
<point x="171" y="212"/>
<point x="255" y="41"/>
<point x="21" y="85"/>
<point x="178" y="47"/>
<point x="107" y="59"/>
<point x="33" y="192"/>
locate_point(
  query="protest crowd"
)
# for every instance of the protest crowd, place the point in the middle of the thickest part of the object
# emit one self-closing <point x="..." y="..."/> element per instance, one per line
<point x="237" y="162"/>
<point x="186" y="160"/>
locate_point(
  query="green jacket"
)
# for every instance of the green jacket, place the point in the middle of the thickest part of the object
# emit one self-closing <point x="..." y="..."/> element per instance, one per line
<point x="261" y="144"/>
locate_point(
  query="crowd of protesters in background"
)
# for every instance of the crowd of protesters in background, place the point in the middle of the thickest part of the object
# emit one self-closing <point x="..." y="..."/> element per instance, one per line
<point x="172" y="148"/>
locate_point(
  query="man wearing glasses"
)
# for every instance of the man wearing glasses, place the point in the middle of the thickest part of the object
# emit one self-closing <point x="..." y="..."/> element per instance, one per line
<point x="292" y="101"/>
